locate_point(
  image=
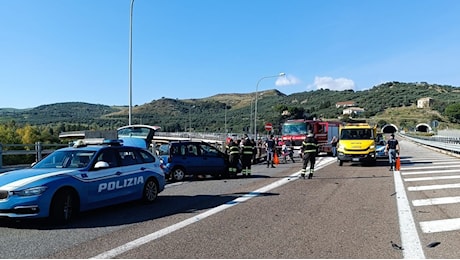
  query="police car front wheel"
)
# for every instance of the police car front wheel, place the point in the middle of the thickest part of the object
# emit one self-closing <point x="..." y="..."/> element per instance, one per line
<point x="64" y="206"/>
<point x="150" y="192"/>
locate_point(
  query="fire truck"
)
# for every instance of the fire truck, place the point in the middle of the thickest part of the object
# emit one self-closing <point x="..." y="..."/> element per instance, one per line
<point x="294" y="131"/>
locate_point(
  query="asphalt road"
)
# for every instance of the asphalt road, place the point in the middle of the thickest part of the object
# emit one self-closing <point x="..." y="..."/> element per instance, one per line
<point x="351" y="211"/>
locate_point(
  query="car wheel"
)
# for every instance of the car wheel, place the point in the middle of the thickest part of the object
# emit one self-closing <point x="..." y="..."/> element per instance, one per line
<point x="150" y="192"/>
<point x="64" y="206"/>
<point x="178" y="174"/>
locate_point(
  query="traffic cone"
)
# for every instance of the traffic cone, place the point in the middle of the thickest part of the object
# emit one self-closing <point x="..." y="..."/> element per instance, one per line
<point x="398" y="163"/>
<point x="276" y="160"/>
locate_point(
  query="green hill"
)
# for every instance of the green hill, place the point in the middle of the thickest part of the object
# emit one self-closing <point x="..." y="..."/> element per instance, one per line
<point x="393" y="102"/>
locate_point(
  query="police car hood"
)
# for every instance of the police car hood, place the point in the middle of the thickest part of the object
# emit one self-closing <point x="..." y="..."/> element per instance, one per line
<point x="18" y="178"/>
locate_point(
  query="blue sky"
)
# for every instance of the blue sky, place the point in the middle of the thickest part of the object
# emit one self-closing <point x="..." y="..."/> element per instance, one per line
<point x="77" y="50"/>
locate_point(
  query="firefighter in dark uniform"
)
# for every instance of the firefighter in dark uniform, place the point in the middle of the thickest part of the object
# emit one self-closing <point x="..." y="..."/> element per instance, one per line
<point x="234" y="157"/>
<point x="309" y="150"/>
<point x="246" y="155"/>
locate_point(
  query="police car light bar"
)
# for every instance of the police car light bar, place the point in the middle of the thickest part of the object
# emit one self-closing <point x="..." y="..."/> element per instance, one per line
<point x="96" y="141"/>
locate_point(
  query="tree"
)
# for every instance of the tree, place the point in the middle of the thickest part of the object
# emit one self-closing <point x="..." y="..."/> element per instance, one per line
<point x="28" y="134"/>
<point x="453" y="112"/>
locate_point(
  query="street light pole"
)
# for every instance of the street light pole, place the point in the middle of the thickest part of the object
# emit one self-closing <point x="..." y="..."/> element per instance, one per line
<point x="130" y="62"/>
<point x="190" y="120"/>
<point x="257" y="94"/>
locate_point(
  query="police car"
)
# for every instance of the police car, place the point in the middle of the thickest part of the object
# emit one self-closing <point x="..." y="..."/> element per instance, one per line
<point x="80" y="178"/>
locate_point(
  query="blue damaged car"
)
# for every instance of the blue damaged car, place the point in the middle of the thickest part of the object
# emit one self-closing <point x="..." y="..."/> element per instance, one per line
<point x="81" y="178"/>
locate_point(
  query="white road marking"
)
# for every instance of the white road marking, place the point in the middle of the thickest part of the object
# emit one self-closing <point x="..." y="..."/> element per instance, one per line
<point x="428" y="172"/>
<point x="450" y="177"/>
<point x="423" y="163"/>
<point x="432" y="167"/>
<point x="409" y="236"/>
<point x="434" y="187"/>
<point x="153" y="236"/>
<point x="436" y="201"/>
<point x="440" y="225"/>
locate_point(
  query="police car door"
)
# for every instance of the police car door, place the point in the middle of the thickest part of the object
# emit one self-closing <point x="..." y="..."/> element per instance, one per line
<point x="114" y="184"/>
<point x="102" y="181"/>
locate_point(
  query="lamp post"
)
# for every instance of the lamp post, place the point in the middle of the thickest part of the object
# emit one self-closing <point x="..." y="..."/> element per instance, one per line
<point x="130" y="62"/>
<point x="225" y="123"/>
<point x="190" y="120"/>
<point x="257" y="94"/>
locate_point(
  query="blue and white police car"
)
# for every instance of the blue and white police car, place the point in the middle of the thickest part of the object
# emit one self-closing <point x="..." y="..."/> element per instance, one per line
<point x="81" y="178"/>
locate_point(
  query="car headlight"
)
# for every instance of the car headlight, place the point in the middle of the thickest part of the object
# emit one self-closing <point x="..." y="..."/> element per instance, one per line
<point x="30" y="192"/>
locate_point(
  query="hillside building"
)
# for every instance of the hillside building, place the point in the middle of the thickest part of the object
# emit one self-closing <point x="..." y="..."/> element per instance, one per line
<point x="424" y="102"/>
<point x="345" y="104"/>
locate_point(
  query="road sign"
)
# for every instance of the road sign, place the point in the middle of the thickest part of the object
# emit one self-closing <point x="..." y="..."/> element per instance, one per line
<point x="268" y="126"/>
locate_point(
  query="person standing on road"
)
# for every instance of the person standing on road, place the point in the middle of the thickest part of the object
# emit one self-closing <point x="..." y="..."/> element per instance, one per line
<point x="254" y="151"/>
<point x="246" y="155"/>
<point x="392" y="149"/>
<point x="270" y="145"/>
<point x="309" y="150"/>
<point x="334" y="142"/>
<point x="233" y="159"/>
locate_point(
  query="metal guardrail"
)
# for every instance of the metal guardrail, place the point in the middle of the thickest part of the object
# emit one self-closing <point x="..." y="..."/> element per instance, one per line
<point x="446" y="143"/>
<point x="38" y="149"/>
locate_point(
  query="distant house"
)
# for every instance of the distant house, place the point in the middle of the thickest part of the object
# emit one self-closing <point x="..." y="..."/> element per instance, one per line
<point x="424" y="102"/>
<point x="353" y="111"/>
<point x="345" y="104"/>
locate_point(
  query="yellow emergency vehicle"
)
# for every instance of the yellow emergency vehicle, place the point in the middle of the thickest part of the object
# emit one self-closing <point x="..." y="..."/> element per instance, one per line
<point x="357" y="143"/>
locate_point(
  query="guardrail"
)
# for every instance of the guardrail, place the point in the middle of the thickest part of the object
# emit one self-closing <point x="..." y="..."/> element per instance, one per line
<point x="39" y="149"/>
<point x="446" y="143"/>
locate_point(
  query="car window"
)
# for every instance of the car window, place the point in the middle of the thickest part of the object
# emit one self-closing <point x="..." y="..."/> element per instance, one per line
<point x="146" y="157"/>
<point x="192" y="150"/>
<point x="208" y="150"/>
<point x="177" y="150"/>
<point x="129" y="157"/>
<point x="109" y="157"/>
<point x="163" y="149"/>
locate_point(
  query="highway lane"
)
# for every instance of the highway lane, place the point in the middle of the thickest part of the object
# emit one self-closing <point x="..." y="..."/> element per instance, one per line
<point x="343" y="212"/>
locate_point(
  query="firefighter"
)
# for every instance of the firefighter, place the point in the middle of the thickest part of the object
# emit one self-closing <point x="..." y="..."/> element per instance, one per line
<point x="246" y="155"/>
<point x="234" y="157"/>
<point x="309" y="150"/>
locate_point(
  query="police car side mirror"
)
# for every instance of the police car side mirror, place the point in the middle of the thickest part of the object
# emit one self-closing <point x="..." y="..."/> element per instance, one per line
<point x="101" y="164"/>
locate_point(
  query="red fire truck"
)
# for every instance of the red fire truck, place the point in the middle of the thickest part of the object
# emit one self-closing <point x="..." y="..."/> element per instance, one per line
<point x="294" y="131"/>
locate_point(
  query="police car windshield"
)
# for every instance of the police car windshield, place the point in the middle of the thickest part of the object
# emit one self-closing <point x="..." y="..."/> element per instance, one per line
<point x="66" y="159"/>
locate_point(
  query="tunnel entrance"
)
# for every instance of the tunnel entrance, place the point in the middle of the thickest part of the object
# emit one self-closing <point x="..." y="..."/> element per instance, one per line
<point x="389" y="128"/>
<point x="425" y="128"/>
